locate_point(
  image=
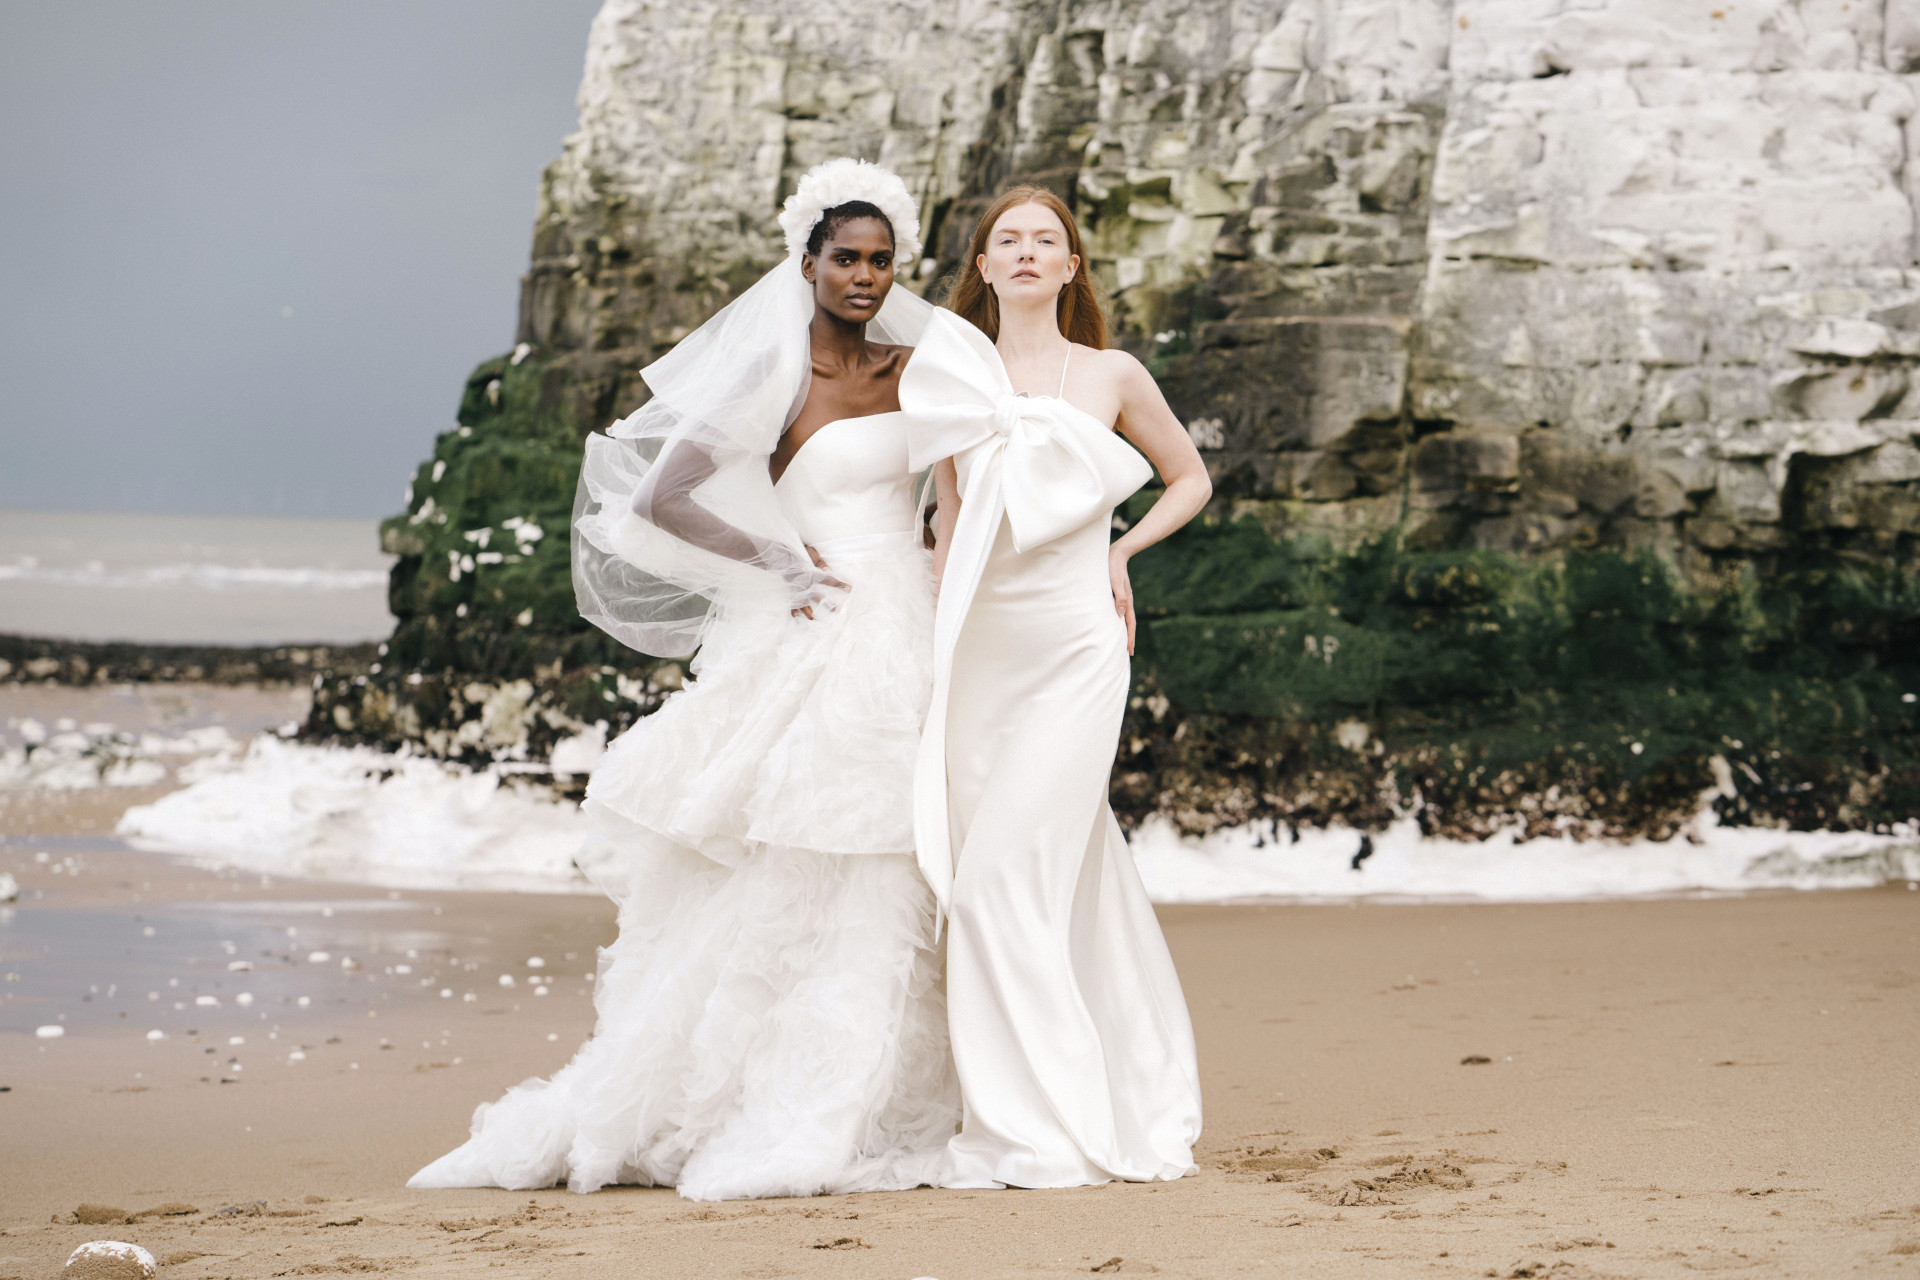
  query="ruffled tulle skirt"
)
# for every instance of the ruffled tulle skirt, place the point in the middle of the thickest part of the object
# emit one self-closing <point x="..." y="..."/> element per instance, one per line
<point x="770" y="1017"/>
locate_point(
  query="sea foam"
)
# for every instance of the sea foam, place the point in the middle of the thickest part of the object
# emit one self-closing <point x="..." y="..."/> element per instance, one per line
<point x="360" y="815"/>
<point x="354" y="814"/>
<point x="1258" y="861"/>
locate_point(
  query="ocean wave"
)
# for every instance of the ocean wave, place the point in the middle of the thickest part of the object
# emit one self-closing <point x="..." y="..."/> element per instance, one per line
<point x="210" y="577"/>
<point x="354" y="814"/>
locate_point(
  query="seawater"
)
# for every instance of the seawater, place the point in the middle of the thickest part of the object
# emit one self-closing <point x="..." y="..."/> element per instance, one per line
<point x="177" y="579"/>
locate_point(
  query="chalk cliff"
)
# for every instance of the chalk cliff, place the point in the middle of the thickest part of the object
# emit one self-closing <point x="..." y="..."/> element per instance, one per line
<point x="1499" y="322"/>
<point x="1541" y="273"/>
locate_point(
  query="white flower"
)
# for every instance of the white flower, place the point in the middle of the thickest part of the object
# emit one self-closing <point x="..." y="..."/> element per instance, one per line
<point x="827" y="186"/>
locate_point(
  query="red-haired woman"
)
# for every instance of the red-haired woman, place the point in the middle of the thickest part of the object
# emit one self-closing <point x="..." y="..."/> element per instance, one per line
<point x="1071" y="1036"/>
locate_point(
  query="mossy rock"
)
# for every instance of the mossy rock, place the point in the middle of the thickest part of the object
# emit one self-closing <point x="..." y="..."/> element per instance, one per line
<point x="1591" y="691"/>
<point x="1278" y="678"/>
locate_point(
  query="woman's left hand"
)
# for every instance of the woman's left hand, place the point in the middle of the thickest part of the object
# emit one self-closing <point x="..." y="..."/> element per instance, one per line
<point x="1122" y="591"/>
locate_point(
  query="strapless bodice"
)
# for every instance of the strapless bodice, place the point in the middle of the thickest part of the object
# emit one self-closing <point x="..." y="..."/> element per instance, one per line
<point x="850" y="480"/>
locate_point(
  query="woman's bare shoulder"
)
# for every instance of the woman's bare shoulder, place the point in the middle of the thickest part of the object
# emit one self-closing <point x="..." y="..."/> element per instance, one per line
<point x="1121" y="367"/>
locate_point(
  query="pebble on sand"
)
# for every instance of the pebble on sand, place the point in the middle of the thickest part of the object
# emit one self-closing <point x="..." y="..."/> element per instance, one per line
<point x="156" y="1034"/>
<point x="111" y="1260"/>
<point x="9" y="887"/>
<point x="52" y="1031"/>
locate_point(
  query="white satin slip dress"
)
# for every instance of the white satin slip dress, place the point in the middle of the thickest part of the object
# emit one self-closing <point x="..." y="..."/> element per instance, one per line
<point x="769" y="1020"/>
<point x="1069" y="1030"/>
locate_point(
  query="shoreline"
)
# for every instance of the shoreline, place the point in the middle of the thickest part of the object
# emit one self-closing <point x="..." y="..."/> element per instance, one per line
<point x="37" y="661"/>
<point x="412" y="822"/>
<point x="220" y="773"/>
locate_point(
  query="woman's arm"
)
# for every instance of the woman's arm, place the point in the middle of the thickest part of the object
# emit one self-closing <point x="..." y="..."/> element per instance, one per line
<point x="665" y="499"/>
<point x="946" y="488"/>
<point x="1146" y="420"/>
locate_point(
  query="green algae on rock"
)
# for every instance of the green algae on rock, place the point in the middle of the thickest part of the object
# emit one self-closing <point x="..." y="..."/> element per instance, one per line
<point x="490" y="660"/>
<point x="1594" y="691"/>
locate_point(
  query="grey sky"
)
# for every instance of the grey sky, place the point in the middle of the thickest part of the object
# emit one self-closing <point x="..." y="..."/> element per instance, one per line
<point x="175" y="174"/>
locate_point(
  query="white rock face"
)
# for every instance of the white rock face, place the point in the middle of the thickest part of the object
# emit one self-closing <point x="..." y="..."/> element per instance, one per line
<point x="1586" y="269"/>
<point x="1680" y="221"/>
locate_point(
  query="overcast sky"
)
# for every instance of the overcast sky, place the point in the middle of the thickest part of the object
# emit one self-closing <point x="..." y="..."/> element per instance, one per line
<point x="249" y="249"/>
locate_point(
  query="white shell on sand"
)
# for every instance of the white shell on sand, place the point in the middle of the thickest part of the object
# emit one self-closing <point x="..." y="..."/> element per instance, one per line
<point x="52" y="1031"/>
<point x="111" y="1260"/>
<point x="9" y="887"/>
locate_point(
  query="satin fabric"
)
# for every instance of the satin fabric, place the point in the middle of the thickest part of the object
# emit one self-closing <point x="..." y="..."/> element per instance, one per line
<point x="1069" y="1030"/>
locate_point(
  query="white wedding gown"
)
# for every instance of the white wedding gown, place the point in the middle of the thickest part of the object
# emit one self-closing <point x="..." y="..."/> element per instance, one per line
<point x="1071" y="1036"/>
<point x="770" y="1018"/>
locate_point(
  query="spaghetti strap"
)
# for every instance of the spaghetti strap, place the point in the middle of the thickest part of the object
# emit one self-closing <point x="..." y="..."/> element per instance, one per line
<point x="1062" y="392"/>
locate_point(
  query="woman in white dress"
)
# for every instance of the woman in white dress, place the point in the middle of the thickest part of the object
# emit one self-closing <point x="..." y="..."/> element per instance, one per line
<point x="770" y="1020"/>
<point x="1069" y="1031"/>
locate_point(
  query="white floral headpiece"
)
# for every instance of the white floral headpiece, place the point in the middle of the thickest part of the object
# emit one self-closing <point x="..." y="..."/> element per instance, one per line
<point x="827" y="186"/>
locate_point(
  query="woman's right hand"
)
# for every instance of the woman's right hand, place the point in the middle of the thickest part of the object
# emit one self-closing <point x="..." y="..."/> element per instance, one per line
<point x="822" y="579"/>
<point x="1122" y="584"/>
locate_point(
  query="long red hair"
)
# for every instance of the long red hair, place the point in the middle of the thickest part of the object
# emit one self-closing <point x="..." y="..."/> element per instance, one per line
<point x="1078" y="309"/>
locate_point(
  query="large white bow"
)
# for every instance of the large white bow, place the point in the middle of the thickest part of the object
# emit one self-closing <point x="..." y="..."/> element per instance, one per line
<point x="1044" y="465"/>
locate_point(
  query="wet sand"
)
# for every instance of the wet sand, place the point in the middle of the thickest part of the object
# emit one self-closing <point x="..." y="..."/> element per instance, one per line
<point x="1670" y="1087"/>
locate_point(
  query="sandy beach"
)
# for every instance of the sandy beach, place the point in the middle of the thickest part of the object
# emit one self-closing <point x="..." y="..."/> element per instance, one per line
<point x="1503" y="422"/>
<point x="1627" y="1088"/>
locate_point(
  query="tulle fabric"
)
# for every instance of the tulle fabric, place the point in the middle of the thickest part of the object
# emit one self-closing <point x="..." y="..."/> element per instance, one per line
<point x="820" y="757"/>
<point x="770" y="1018"/>
<point x="768" y="1030"/>
<point x="675" y="524"/>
